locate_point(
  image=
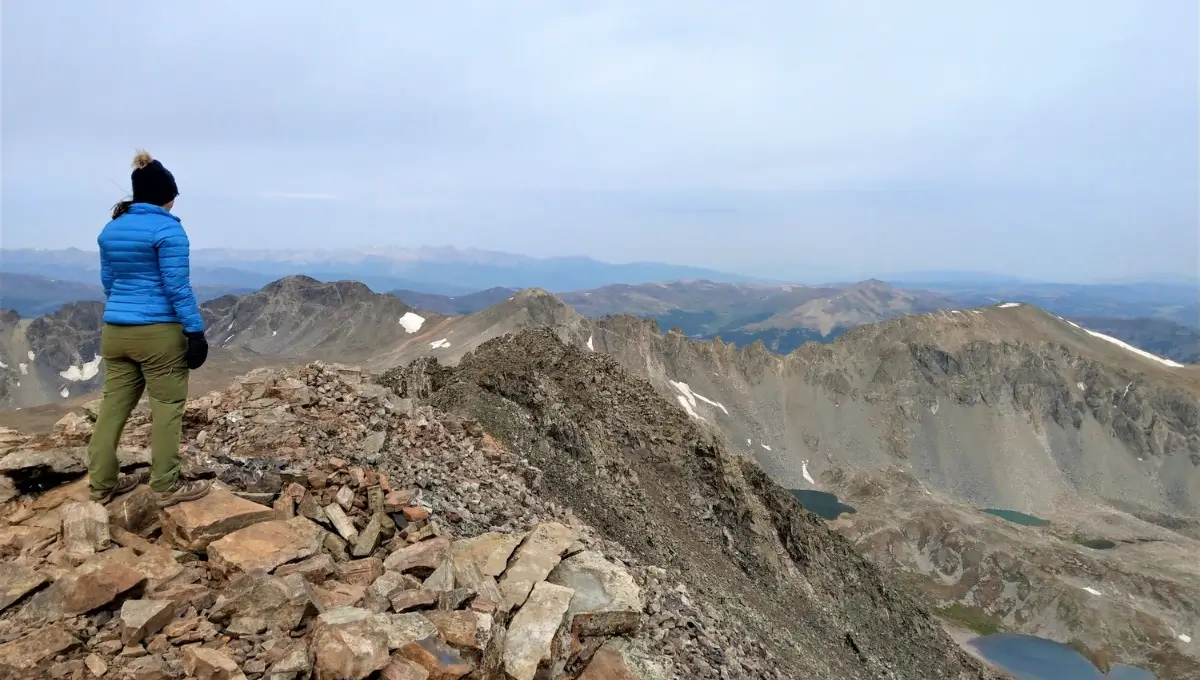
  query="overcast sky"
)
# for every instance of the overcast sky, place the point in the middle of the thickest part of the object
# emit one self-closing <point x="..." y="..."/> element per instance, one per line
<point x="792" y="139"/>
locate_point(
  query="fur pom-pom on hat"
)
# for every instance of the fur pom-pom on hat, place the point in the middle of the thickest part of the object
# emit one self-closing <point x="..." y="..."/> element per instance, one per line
<point x="152" y="182"/>
<point x="141" y="159"/>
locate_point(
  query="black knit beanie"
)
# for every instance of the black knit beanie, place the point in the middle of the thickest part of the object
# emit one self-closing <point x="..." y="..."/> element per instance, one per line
<point x="152" y="182"/>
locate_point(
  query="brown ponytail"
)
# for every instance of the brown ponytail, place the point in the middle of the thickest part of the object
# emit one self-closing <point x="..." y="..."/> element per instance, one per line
<point x="121" y="208"/>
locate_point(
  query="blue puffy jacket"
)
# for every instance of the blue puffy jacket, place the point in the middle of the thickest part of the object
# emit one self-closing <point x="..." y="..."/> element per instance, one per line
<point x="144" y="266"/>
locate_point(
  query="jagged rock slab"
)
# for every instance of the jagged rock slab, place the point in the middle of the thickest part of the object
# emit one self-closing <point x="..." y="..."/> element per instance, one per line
<point x="439" y="660"/>
<point x="531" y="631"/>
<point x="281" y="602"/>
<point x="403" y="669"/>
<point x="534" y="560"/>
<point x="204" y="663"/>
<point x="266" y="545"/>
<point x="490" y="551"/>
<point x="315" y="569"/>
<point x="193" y="526"/>
<point x="352" y="643"/>
<point x="93" y="584"/>
<point x="466" y="629"/>
<point x="25" y="654"/>
<point x="616" y="661"/>
<point x="426" y="555"/>
<point x="84" y="528"/>
<point x="17" y="581"/>
<point x="143" y="618"/>
<point x="607" y="601"/>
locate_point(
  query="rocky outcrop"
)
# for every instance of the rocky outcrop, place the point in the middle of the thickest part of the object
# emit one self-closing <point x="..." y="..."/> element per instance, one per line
<point x="647" y="476"/>
<point x="244" y="583"/>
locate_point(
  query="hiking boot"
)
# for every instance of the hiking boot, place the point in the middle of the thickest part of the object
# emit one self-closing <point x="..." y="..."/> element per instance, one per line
<point x="125" y="484"/>
<point x="182" y="491"/>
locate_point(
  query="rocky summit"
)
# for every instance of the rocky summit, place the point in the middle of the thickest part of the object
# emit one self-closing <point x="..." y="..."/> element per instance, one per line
<point x="576" y="526"/>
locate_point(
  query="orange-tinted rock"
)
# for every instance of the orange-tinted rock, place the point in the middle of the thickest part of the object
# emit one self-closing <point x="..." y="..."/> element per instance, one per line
<point x="204" y="663"/>
<point x="194" y="525"/>
<point x="438" y="659"/>
<point x="426" y="555"/>
<point x="19" y="658"/>
<point x="265" y="546"/>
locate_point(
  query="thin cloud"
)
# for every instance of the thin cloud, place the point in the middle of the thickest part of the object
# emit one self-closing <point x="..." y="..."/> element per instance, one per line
<point x="303" y="196"/>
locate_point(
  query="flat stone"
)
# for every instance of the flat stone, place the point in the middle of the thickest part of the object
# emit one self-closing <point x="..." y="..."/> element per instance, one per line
<point x="388" y="583"/>
<point x="441" y="661"/>
<point x="467" y="574"/>
<point x="375" y="500"/>
<point x="414" y="513"/>
<point x="489" y="551"/>
<point x="610" y="663"/>
<point x="334" y="594"/>
<point x="142" y="618"/>
<point x="531" y="631"/>
<point x="157" y="564"/>
<point x="341" y="522"/>
<point x="265" y="546"/>
<point x="403" y="669"/>
<point x="607" y="601"/>
<point x="315" y="569"/>
<point x="85" y="528"/>
<point x="17" y="581"/>
<point x="294" y="660"/>
<point x="362" y="572"/>
<point x="136" y="511"/>
<point x="406" y="600"/>
<point x="466" y="629"/>
<point x="310" y="508"/>
<point x="153" y="667"/>
<point x="368" y="540"/>
<point x="345" y="498"/>
<point x="96" y="665"/>
<point x="442" y="578"/>
<point x="8" y="490"/>
<point x="14" y="539"/>
<point x="25" y="654"/>
<point x="93" y="584"/>
<point x="347" y="646"/>
<point x="424" y="556"/>
<point x="537" y="556"/>
<point x="188" y="595"/>
<point x="194" y="525"/>
<point x="396" y="499"/>
<point x="30" y="469"/>
<point x="282" y="602"/>
<point x="284" y="507"/>
<point x="204" y="663"/>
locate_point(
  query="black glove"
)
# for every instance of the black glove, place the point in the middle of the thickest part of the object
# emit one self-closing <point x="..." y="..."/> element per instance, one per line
<point x="197" y="350"/>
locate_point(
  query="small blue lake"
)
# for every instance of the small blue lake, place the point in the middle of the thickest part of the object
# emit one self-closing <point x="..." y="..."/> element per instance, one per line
<point x="822" y="503"/>
<point x="1027" y="657"/>
<point x="1017" y="517"/>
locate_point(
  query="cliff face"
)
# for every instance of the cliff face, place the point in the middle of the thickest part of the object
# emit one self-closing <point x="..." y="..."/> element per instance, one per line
<point x="636" y="467"/>
<point x="1006" y="407"/>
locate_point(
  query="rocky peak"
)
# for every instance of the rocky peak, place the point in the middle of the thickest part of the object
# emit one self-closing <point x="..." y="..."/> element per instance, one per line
<point x="649" y="477"/>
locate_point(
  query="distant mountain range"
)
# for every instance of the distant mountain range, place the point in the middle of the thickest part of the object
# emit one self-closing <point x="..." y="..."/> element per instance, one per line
<point x="444" y="271"/>
<point x="949" y="411"/>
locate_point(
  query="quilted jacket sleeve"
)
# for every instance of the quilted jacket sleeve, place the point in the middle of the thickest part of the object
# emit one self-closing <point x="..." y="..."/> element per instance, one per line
<point x="106" y="273"/>
<point x="174" y="255"/>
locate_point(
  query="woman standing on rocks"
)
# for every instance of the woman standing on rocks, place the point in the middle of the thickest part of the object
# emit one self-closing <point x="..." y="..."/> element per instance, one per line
<point x="153" y="335"/>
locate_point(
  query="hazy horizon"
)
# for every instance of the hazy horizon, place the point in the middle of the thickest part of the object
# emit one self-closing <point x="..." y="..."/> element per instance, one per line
<point x="795" y="141"/>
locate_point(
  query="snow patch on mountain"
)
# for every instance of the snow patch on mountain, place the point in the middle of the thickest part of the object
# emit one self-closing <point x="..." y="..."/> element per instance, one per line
<point x="411" y="322"/>
<point x="85" y="372"/>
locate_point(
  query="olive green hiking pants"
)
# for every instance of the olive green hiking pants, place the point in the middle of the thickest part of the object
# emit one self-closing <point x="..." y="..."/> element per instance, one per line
<point x="137" y="358"/>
